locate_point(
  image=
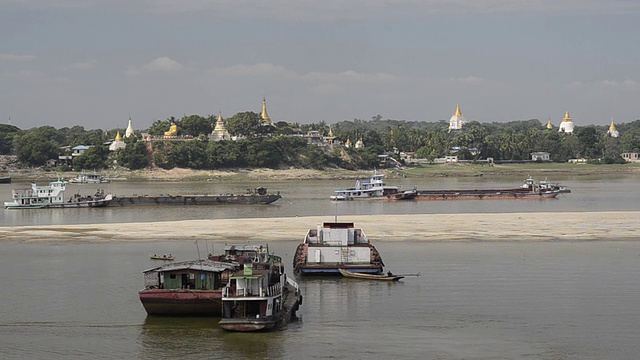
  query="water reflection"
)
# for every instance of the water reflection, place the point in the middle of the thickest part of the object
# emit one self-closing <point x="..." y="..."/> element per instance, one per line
<point x="189" y="337"/>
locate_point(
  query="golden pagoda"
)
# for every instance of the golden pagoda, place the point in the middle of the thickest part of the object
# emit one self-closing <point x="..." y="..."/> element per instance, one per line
<point x="347" y="143"/>
<point x="220" y="132"/>
<point x="549" y="125"/>
<point x="266" y="120"/>
<point x="612" y="130"/>
<point x="118" y="136"/>
<point x="330" y="131"/>
<point x="117" y="143"/>
<point x="566" y="125"/>
<point x="457" y="120"/>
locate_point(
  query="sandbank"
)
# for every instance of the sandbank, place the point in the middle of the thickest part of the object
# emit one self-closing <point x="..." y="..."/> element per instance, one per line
<point x="557" y="226"/>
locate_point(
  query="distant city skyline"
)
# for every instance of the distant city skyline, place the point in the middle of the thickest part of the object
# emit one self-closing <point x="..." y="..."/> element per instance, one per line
<point x="95" y="63"/>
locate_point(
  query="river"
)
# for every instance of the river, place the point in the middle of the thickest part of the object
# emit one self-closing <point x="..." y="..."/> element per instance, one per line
<point x="473" y="300"/>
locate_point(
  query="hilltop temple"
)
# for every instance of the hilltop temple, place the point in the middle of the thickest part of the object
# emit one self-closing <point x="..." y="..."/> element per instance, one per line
<point x="457" y="120"/>
<point x="612" y="130"/>
<point x="220" y="132"/>
<point x="549" y="125"/>
<point x="566" y="125"/>
<point x="266" y="120"/>
<point x="129" y="132"/>
<point x="117" y="144"/>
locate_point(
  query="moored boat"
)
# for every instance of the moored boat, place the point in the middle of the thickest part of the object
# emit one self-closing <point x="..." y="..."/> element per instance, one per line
<point x="259" y="297"/>
<point x="258" y="196"/>
<point x="52" y="196"/>
<point x="5" y="179"/>
<point x="374" y="188"/>
<point x="89" y="178"/>
<point x="191" y="288"/>
<point x="194" y="288"/>
<point x="356" y="275"/>
<point x="333" y="246"/>
<point x="162" y="257"/>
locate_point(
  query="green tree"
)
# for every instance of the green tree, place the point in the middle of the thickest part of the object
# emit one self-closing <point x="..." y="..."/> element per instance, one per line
<point x="36" y="146"/>
<point x="195" y="125"/>
<point x="135" y="155"/>
<point x="7" y="133"/>
<point x="95" y="157"/>
<point x="244" y="124"/>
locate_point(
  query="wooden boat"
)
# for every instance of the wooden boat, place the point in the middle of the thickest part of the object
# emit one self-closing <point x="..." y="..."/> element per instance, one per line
<point x="259" y="297"/>
<point x="162" y="257"/>
<point x="194" y="288"/>
<point x="355" y="275"/>
<point x="336" y="245"/>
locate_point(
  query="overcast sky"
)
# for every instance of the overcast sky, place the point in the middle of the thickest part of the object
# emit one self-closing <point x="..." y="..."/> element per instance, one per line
<point x="96" y="62"/>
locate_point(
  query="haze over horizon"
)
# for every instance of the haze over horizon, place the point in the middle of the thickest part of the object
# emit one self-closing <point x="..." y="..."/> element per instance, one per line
<point x="95" y="63"/>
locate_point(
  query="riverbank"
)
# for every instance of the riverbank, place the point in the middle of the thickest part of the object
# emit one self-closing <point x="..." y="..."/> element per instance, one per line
<point x="566" y="226"/>
<point x="538" y="170"/>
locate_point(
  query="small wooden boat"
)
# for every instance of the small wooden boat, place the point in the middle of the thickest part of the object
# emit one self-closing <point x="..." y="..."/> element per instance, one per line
<point x="356" y="275"/>
<point x="162" y="257"/>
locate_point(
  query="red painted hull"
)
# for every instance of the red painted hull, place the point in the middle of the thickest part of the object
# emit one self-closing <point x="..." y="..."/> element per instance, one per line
<point x="182" y="302"/>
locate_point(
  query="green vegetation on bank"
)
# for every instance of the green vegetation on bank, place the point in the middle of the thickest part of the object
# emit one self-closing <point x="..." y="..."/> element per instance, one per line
<point x="284" y="145"/>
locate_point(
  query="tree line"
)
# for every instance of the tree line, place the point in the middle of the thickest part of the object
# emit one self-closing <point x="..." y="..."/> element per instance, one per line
<point x="284" y="144"/>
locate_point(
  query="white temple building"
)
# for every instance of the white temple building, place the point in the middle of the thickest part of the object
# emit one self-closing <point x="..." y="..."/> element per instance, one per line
<point x="359" y="144"/>
<point x="129" y="132"/>
<point x="612" y="130"/>
<point x="117" y="144"/>
<point x="220" y="133"/>
<point x="566" y="125"/>
<point x="457" y="120"/>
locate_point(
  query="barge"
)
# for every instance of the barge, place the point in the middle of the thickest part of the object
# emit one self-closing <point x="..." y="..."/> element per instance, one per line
<point x="258" y="196"/>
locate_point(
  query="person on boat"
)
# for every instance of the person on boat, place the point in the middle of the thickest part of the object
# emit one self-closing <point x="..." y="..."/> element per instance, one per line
<point x="389" y="274"/>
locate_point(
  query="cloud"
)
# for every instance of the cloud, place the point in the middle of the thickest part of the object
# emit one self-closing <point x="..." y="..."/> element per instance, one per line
<point x="163" y="64"/>
<point x="260" y="69"/>
<point x="333" y="10"/>
<point x="615" y="84"/>
<point x="15" y="58"/>
<point x="87" y="65"/>
<point x="468" y="80"/>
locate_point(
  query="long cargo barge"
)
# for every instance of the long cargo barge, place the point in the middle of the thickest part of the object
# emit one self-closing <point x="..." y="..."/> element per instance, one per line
<point x="258" y="196"/>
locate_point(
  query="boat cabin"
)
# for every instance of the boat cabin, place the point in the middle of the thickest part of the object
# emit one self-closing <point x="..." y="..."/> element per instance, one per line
<point x="252" y="293"/>
<point x="336" y="234"/>
<point x="196" y="275"/>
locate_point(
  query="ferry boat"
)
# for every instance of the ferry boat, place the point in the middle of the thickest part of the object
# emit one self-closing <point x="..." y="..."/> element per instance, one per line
<point x="374" y="188"/>
<point x="333" y="246"/>
<point x="52" y="196"/>
<point x="259" y="297"/>
<point x="194" y="288"/>
<point x="89" y="178"/>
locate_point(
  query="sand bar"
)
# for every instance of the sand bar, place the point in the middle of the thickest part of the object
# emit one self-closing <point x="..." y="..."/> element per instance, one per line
<point x="557" y="226"/>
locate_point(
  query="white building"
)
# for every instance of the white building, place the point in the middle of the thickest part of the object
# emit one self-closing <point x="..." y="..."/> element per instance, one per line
<point x="566" y="125"/>
<point x="457" y="120"/>
<point x="220" y="132"/>
<point x="540" y="156"/>
<point x="117" y="144"/>
<point x="129" y="132"/>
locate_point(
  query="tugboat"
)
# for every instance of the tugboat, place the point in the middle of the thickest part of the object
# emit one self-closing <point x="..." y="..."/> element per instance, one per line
<point x="259" y="297"/>
<point x="52" y="196"/>
<point x="333" y="246"/>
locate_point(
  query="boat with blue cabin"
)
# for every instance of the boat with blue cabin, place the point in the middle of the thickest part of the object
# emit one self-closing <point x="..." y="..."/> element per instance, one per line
<point x="333" y="246"/>
<point x="52" y="196"/>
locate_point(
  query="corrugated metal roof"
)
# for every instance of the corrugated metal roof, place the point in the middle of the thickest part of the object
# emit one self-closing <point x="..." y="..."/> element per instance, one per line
<point x="200" y="265"/>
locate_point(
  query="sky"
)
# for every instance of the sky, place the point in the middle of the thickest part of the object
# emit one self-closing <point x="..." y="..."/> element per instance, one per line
<point x="95" y="63"/>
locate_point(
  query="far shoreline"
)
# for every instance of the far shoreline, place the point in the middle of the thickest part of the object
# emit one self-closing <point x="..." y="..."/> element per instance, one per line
<point x="457" y="170"/>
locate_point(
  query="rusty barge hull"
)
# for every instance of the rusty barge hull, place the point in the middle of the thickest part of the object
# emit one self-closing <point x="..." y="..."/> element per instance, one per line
<point x="182" y="302"/>
<point x="509" y="194"/>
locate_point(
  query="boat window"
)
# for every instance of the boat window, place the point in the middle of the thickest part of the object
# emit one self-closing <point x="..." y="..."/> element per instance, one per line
<point x="172" y="276"/>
